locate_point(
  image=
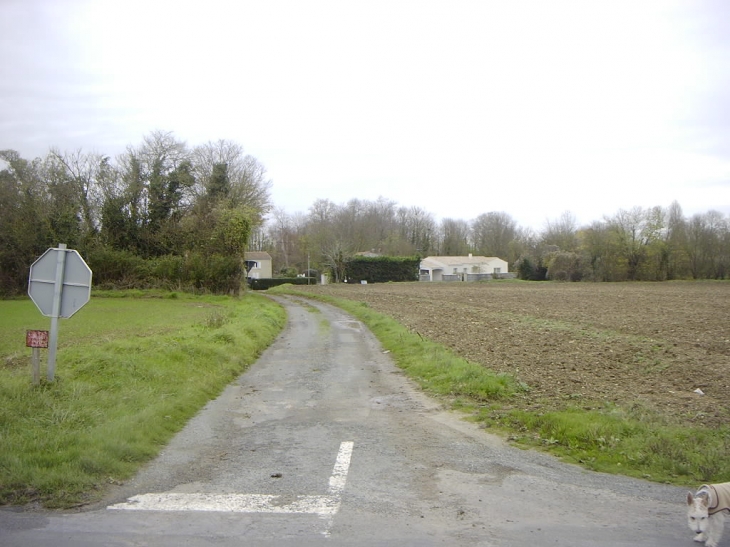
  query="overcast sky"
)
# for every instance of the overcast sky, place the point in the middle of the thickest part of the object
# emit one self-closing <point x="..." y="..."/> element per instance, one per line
<point x="458" y="107"/>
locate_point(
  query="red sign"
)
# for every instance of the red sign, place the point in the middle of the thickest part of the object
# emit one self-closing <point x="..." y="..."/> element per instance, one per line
<point x="36" y="338"/>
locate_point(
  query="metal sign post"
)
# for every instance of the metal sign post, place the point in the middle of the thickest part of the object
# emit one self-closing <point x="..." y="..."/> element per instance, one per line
<point x="57" y="290"/>
<point x="59" y="284"/>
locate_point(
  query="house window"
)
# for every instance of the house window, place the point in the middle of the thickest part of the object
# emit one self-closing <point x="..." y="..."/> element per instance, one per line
<point x="456" y="270"/>
<point x="251" y="265"/>
<point x="497" y="270"/>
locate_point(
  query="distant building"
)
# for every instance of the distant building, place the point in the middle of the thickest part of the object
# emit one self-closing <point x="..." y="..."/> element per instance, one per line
<point x="462" y="268"/>
<point x="258" y="265"/>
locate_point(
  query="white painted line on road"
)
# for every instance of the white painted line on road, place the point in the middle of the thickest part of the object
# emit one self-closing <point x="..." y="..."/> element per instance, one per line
<point x="342" y="466"/>
<point x="324" y="506"/>
<point x="231" y="503"/>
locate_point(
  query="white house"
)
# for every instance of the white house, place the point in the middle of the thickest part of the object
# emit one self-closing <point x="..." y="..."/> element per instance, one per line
<point x="258" y="264"/>
<point x="462" y="268"/>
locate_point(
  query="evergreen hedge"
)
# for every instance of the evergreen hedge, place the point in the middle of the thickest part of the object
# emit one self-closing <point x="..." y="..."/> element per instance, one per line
<point x="381" y="269"/>
<point x="267" y="283"/>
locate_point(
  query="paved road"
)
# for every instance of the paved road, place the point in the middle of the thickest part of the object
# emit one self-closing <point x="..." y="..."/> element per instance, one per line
<point x="324" y="442"/>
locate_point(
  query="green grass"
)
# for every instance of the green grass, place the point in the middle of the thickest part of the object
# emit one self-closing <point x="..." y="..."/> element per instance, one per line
<point x="615" y="441"/>
<point x="130" y="372"/>
<point x="629" y="441"/>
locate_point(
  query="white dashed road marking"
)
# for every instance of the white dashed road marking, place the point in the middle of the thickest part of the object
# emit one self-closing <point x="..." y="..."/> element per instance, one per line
<point x="323" y="506"/>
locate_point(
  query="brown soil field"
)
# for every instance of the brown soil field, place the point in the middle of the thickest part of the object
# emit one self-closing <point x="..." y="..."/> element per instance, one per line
<point x="640" y="346"/>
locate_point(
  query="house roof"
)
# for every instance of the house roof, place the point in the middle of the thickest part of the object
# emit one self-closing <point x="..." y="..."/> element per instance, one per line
<point x="256" y="255"/>
<point x="458" y="260"/>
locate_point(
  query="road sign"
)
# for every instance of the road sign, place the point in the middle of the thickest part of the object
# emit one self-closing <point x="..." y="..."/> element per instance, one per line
<point x="60" y="285"/>
<point x="75" y="281"/>
<point x="36" y="338"/>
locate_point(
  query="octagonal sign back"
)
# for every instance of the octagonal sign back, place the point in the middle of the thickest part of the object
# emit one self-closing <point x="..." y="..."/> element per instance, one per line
<point x="76" y="282"/>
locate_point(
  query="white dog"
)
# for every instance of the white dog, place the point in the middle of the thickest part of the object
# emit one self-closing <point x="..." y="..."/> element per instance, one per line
<point x="706" y="512"/>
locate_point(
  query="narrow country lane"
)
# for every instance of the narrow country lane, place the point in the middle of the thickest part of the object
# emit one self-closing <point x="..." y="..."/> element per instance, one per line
<point x="324" y="442"/>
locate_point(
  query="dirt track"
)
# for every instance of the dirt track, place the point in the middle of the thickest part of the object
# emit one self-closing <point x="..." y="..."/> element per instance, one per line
<point x="642" y="346"/>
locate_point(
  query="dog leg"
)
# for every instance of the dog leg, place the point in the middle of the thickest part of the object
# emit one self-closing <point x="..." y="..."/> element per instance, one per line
<point x="714" y="529"/>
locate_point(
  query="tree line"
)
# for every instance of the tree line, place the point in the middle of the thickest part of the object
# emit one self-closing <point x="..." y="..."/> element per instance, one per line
<point x="638" y="244"/>
<point x="166" y="214"/>
<point x="162" y="213"/>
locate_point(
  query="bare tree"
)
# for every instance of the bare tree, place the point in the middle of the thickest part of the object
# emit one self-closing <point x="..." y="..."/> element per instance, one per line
<point x="91" y="176"/>
<point x="492" y="233"/>
<point x="562" y="232"/>
<point x="636" y="230"/>
<point x="249" y="186"/>
<point x="282" y="237"/>
<point x="676" y="242"/>
<point x="335" y="256"/>
<point x="381" y="219"/>
<point x="454" y="240"/>
<point x="349" y="222"/>
<point x="707" y="241"/>
<point x="417" y="227"/>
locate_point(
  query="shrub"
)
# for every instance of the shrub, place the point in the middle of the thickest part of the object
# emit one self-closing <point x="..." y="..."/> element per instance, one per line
<point x="564" y="266"/>
<point x="530" y="270"/>
<point x="291" y="271"/>
<point x="112" y="267"/>
<point x="216" y="273"/>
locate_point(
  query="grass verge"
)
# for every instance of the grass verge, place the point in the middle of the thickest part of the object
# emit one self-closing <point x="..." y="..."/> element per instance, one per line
<point x="623" y="441"/>
<point x="130" y="373"/>
<point x="627" y="441"/>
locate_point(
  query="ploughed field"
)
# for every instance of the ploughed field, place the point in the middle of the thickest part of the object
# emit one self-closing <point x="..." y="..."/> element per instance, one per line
<point x="644" y="346"/>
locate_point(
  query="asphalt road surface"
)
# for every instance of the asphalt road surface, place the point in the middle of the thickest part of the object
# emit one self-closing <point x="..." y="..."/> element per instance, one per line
<point x="324" y="442"/>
